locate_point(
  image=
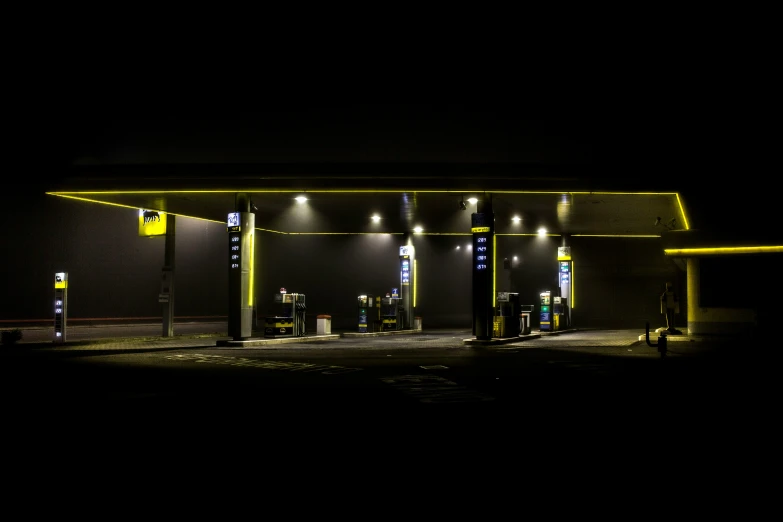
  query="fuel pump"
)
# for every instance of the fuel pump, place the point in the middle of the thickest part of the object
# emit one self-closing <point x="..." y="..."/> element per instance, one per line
<point x="559" y="313"/>
<point x="60" y="306"/>
<point x="390" y="307"/>
<point x="369" y="314"/>
<point x="565" y="283"/>
<point x="545" y="306"/>
<point x="507" y="313"/>
<point x="290" y="318"/>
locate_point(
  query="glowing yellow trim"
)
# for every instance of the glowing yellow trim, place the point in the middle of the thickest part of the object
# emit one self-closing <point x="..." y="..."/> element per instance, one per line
<point x="655" y="236"/>
<point x="722" y="250"/>
<point x="573" y="285"/>
<point x="62" y="195"/>
<point x="75" y="195"/>
<point x="94" y="201"/>
<point x="415" y="282"/>
<point x="479" y="230"/>
<point x="333" y="233"/>
<point x="134" y="207"/>
<point x="252" y="267"/>
<point x="361" y="191"/>
<point x="682" y="212"/>
<point x="651" y="236"/>
<point x="494" y="272"/>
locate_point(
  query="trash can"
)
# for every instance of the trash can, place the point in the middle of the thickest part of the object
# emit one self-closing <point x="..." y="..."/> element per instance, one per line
<point x="417" y="323"/>
<point x="324" y="325"/>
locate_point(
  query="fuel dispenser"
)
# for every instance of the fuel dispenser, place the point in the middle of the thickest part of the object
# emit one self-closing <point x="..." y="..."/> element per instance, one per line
<point x="391" y="319"/>
<point x="560" y="317"/>
<point x="545" y="306"/>
<point x="369" y="313"/>
<point x="60" y="306"/>
<point x="566" y="284"/>
<point x="290" y="319"/>
<point x="524" y="318"/>
<point x="506" y="321"/>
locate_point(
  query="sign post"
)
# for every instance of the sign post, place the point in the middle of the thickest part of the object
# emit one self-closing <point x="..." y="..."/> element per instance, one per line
<point x="483" y="229"/>
<point x="60" y="306"/>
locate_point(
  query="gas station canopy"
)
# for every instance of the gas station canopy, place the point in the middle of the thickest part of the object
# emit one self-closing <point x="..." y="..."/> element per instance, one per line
<point x="341" y="199"/>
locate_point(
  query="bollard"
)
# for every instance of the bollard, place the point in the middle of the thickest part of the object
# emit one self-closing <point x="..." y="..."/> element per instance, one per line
<point x="662" y="344"/>
<point x="662" y="341"/>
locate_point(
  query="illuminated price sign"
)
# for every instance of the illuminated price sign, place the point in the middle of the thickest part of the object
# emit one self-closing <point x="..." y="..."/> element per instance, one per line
<point x="480" y="249"/>
<point x="406" y="271"/>
<point x="482" y="228"/>
<point x="235" y="250"/>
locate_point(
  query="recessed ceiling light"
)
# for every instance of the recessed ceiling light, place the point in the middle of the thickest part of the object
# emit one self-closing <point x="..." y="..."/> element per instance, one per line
<point x="300" y="199"/>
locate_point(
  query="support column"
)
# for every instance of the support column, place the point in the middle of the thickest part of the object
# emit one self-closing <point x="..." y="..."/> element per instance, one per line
<point x="483" y="230"/>
<point x="167" y="285"/>
<point x="693" y="285"/>
<point x="241" y="248"/>
<point x="407" y="282"/>
<point x="565" y="281"/>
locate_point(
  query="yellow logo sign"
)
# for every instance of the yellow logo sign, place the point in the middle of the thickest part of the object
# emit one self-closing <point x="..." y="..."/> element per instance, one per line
<point x="152" y="223"/>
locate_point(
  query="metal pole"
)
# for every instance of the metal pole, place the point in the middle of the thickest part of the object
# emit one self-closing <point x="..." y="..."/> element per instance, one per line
<point x="168" y="276"/>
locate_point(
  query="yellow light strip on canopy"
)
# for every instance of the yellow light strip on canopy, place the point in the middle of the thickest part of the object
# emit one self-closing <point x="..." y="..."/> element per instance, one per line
<point x="706" y="251"/>
<point x="134" y="207"/>
<point x="79" y="195"/>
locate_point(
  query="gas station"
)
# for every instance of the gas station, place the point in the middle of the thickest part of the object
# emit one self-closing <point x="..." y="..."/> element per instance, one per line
<point x="500" y="214"/>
